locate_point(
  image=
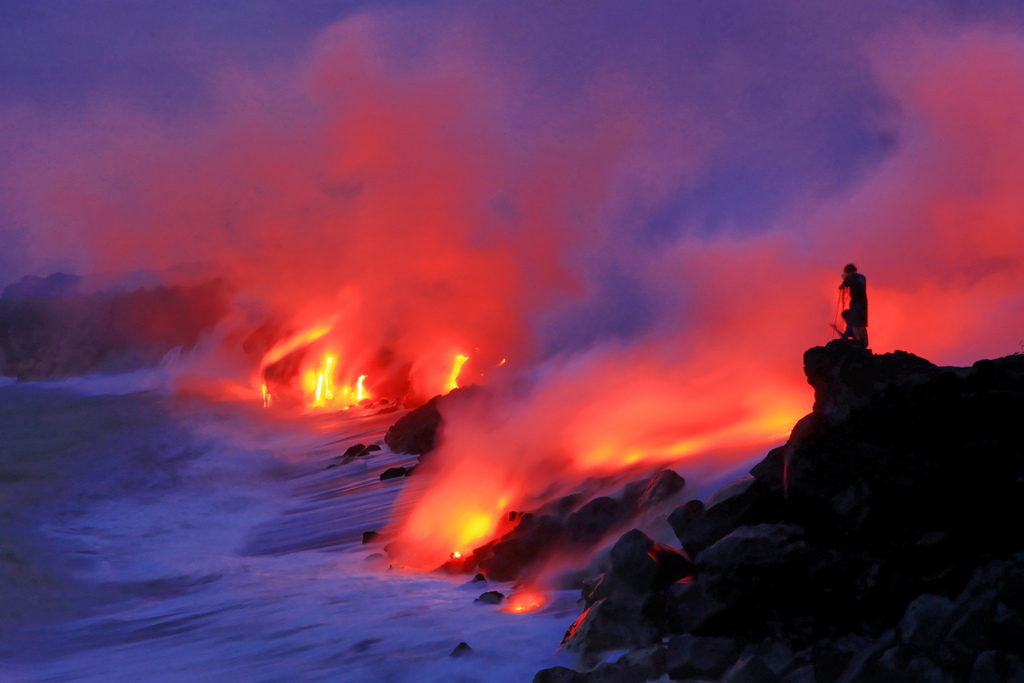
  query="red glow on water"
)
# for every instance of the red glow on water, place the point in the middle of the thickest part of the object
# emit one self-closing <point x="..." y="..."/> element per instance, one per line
<point x="524" y="601"/>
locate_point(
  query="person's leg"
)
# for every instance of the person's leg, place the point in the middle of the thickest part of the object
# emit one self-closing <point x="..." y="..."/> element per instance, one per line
<point x="848" y="332"/>
<point x="860" y="335"/>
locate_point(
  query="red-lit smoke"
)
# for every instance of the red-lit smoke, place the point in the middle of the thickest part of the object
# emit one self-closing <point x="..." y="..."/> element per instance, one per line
<point x="393" y="215"/>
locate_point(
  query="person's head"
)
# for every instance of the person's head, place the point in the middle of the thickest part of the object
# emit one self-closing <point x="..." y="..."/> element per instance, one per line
<point x="850" y="268"/>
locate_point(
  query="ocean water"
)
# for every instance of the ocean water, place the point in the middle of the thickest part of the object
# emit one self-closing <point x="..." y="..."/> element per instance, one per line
<point x="147" y="537"/>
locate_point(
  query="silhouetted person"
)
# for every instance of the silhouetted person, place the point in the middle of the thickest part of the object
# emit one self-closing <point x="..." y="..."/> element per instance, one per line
<point x="856" y="316"/>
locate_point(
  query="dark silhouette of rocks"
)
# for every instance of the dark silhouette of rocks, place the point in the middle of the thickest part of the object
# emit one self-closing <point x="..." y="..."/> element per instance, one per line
<point x="416" y="432"/>
<point x="559" y="674"/>
<point x="880" y="543"/>
<point x="393" y="473"/>
<point x="490" y="598"/>
<point x="557" y="528"/>
<point x="354" y="451"/>
<point x="587" y="525"/>
<point x="461" y="650"/>
<point x="46" y="336"/>
<point x="663" y="486"/>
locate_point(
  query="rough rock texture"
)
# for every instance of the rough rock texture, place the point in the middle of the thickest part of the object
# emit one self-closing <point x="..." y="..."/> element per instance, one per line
<point x="491" y="598"/>
<point x="663" y="486"/>
<point x="557" y="528"/>
<point x="893" y="440"/>
<point x="393" y="473"/>
<point x="880" y="543"/>
<point x="416" y="432"/>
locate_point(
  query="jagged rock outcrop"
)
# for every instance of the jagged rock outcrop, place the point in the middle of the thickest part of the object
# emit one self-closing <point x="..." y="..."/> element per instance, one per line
<point x="416" y="432"/>
<point x="881" y="542"/>
<point x="557" y="527"/>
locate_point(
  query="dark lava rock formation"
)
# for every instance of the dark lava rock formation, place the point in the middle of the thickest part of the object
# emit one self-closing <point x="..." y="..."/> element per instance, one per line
<point x="539" y="535"/>
<point x="47" y="332"/>
<point x="416" y="432"/>
<point x="882" y="542"/>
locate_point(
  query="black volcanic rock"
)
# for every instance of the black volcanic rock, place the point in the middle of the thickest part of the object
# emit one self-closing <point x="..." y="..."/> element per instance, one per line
<point x="744" y="502"/>
<point x="354" y="450"/>
<point x="894" y="440"/>
<point x="490" y="598"/>
<point x="587" y="525"/>
<point x="691" y="656"/>
<point x="664" y="485"/>
<point x="393" y="473"/>
<point x="532" y="540"/>
<point x="881" y="542"/>
<point x="559" y="674"/>
<point x="416" y="432"/>
<point x="461" y="650"/>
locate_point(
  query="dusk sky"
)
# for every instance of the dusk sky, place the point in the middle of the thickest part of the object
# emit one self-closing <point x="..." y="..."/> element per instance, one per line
<point x="566" y="173"/>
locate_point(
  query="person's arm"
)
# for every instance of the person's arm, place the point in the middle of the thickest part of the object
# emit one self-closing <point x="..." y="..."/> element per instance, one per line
<point x="842" y="335"/>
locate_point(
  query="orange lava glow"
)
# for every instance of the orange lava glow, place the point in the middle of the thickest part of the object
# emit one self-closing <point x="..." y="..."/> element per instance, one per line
<point x="640" y="408"/>
<point x="524" y="601"/>
<point x="389" y="218"/>
<point x="453" y="379"/>
<point x="321" y="395"/>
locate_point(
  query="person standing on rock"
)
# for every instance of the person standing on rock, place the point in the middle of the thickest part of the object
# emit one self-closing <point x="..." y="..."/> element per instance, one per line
<point x="856" y="316"/>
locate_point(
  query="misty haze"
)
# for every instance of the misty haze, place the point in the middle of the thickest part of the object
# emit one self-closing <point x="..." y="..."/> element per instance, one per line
<point x="396" y="340"/>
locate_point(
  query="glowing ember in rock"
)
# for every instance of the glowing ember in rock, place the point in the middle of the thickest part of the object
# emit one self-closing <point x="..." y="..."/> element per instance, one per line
<point x="503" y="361"/>
<point x="453" y="381"/>
<point x="456" y="555"/>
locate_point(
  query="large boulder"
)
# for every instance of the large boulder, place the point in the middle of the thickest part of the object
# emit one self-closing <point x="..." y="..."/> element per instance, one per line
<point x="689" y="656"/>
<point x="591" y="522"/>
<point x="894" y="439"/>
<point x="663" y="486"/>
<point x="644" y="565"/>
<point x="608" y="625"/>
<point x="744" y="502"/>
<point x="533" y="539"/>
<point x="416" y="432"/>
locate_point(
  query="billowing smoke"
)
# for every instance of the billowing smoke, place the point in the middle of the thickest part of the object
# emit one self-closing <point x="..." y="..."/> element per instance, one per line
<point x="644" y="212"/>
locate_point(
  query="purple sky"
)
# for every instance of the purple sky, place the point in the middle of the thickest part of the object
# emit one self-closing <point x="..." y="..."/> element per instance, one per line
<point x="704" y="121"/>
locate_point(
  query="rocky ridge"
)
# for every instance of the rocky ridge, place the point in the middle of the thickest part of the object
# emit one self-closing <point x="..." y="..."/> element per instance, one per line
<point x="880" y="543"/>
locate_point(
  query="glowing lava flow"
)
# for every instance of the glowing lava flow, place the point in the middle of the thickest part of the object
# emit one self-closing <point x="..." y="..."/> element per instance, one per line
<point x="321" y="384"/>
<point x="322" y="395"/>
<point x="453" y="380"/>
<point x="267" y="398"/>
<point x="524" y="601"/>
